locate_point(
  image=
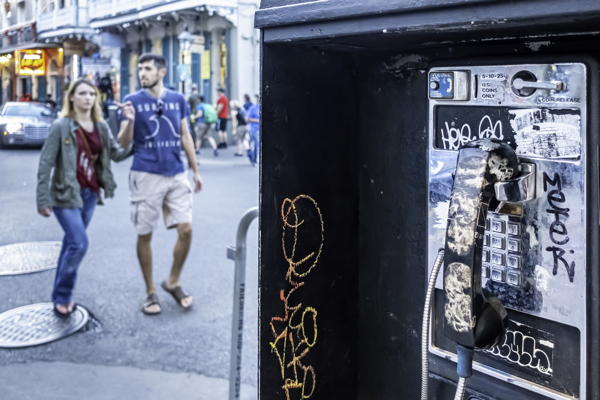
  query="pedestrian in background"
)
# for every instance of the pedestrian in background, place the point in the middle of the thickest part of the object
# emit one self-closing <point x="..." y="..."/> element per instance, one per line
<point x="241" y="128"/>
<point x="253" y="119"/>
<point x="206" y="117"/>
<point x="50" y="103"/>
<point x="155" y="119"/>
<point x="106" y="91"/>
<point x="223" y="114"/>
<point x="74" y="167"/>
<point x="193" y="102"/>
<point x="247" y="102"/>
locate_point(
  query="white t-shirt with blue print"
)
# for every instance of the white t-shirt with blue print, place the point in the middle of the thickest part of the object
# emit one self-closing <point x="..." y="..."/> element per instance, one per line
<point x="157" y="132"/>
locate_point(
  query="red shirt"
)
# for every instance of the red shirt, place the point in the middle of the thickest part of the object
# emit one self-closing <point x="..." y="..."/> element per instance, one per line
<point x="224" y="113"/>
<point x="87" y="157"/>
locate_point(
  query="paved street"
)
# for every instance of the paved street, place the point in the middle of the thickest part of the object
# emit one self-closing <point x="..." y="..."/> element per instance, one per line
<point x="110" y="285"/>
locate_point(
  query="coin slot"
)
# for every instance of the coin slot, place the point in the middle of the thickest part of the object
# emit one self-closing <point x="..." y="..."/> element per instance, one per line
<point x="526" y="76"/>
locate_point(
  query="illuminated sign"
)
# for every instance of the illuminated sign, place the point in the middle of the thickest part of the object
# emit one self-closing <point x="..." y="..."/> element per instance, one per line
<point x="31" y="62"/>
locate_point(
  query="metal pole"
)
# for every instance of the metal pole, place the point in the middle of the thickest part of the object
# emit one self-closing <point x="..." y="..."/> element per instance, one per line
<point x="237" y="253"/>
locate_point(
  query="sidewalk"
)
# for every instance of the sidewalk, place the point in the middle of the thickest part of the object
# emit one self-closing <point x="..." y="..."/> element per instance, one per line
<point x="69" y="381"/>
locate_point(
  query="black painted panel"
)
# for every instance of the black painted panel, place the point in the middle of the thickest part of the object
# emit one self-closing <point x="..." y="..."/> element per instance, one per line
<point x="308" y="150"/>
<point x="393" y="200"/>
<point x="270" y="13"/>
<point x="267" y="4"/>
<point x="476" y="21"/>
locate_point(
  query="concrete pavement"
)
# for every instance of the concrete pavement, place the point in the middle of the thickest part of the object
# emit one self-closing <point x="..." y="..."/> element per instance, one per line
<point x="110" y="284"/>
<point x="70" y="381"/>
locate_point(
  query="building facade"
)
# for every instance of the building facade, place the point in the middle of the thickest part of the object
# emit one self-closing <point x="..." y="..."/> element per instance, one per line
<point x="210" y="43"/>
<point x="25" y="64"/>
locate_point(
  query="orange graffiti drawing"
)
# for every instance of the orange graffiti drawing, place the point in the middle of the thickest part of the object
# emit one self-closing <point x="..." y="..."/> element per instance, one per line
<point x="295" y="333"/>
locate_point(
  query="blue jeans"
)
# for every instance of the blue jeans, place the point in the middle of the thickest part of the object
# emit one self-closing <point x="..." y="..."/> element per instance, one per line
<point x="254" y="144"/>
<point x="75" y="243"/>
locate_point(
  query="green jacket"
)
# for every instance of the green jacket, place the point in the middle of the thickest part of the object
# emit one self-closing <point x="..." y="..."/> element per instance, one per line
<point x="60" y="152"/>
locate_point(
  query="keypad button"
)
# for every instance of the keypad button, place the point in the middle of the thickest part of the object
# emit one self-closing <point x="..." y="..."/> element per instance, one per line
<point x="497" y="258"/>
<point x="486" y="256"/>
<point x="497" y="274"/>
<point x="513" y="278"/>
<point x="498" y="226"/>
<point x="487" y="224"/>
<point x="514" y="245"/>
<point x="485" y="271"/>
<point x="498" y="242"/>
<point x="514" y="229"/>
<point x="486" y="240"/>
<point x="513" y="261"/>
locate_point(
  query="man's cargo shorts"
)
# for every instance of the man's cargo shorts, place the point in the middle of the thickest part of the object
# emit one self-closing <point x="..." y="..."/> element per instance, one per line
<point x="151" y="193"/>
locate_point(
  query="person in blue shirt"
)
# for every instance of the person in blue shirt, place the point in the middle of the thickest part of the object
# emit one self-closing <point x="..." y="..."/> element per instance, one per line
<point x="247" y="102"/>
<point x="155" y="120"/>
<point x="253" y="118"/>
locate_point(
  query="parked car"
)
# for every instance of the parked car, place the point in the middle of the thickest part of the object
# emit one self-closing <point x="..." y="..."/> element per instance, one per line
<point x="25" y="123"/>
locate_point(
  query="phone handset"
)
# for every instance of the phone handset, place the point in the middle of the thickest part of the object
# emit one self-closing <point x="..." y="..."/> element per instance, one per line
<point x="472" y="318"/>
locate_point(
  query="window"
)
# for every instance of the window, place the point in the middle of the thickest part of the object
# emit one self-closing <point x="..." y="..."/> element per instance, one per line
<point x="21" y="16"/>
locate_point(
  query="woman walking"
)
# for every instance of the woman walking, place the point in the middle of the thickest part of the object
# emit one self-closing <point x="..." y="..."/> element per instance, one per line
<point x="78" y="151"/>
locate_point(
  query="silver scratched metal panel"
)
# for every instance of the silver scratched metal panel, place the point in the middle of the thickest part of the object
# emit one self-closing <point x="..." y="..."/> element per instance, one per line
<point x="558" y="265"/>
<point x="36" y="324"/>
<point x="25" y="258"/>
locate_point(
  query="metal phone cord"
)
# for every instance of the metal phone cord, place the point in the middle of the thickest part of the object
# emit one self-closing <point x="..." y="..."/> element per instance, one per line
<point x="437" y="265"/>
<point x="460" y="389"/>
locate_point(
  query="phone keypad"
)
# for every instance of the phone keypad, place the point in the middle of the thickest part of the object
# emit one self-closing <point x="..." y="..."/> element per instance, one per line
<point x="498" y="258"/>
<point x="498" y="274"/>
<point x="498" y="226"/>
<point x="502" y="250"/>
<point x="514" y="245"/>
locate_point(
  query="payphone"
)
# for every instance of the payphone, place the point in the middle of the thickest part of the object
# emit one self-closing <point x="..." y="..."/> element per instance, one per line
<point x="508" y="201"/>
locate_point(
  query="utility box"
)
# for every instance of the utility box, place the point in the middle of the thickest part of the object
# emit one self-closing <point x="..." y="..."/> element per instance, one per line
<point x="374" y="116"/>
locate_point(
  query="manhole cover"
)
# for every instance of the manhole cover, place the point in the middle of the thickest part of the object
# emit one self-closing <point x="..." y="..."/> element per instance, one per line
<point x="36" y="324"/>
<point x="24" y="258"/>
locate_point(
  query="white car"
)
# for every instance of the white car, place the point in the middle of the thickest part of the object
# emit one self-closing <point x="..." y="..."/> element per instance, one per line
<point x="25" y="123"/>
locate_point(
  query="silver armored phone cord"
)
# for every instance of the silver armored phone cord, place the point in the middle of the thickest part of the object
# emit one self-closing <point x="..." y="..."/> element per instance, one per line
<point x="460" y="388"/>
<point x="439" y="260"/>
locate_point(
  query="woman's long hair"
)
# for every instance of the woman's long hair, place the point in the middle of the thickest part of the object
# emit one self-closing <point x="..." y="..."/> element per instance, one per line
<point x="69" y="111"/>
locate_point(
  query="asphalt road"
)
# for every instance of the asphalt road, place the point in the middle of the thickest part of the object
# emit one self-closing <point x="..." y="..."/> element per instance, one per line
<point x="110" y="283"/>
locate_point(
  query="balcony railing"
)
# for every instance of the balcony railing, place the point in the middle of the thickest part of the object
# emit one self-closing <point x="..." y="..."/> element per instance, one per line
<point x="109" y="8"/>
<point x="68" y="16"/>
<point x="105" y="8"/>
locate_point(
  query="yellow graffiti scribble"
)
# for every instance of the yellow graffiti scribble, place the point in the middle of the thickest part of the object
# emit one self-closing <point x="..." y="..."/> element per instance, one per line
<point x="292" y="340"/>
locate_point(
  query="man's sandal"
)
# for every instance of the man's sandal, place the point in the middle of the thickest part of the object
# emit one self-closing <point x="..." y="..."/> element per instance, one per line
<point x="151" y="300"/>
<point x="178" y="295"/>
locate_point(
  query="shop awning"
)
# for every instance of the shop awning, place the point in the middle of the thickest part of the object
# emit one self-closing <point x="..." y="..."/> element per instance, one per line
<point x="85" y="33"/>
<point x="25" y="46"/>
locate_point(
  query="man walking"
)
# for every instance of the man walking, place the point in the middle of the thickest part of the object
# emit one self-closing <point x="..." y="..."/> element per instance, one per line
<point x="206" y="116"/>
<point x="253" y="119"/>
<point x="155" y="119"/>
<point x="193" y="101"/>
<point x="223" y="114"/>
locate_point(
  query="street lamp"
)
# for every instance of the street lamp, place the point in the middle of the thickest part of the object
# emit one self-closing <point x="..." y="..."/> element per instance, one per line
<point x="185" y="42"/>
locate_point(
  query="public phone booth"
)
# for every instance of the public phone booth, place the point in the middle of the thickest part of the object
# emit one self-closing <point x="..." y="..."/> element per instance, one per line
<point x="429" y="199"/>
